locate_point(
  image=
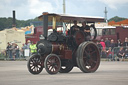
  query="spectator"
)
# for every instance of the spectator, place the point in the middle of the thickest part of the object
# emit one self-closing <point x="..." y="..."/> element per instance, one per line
<point x="119" y="44"/>
<point x="109" y="54"/>
<point x="112" y="44"/>
<point x="121" y="54"/>
<point x="13" y="50"/>
<point x="103" y="44"/>
<point x="103" y="51"/>
<point x="28" y="44"/>
<point x="23" y="49"/>
<point x="33" y="48"/>
<point x="17" y="51"/>
<point x="8" y="51"/>
<point x="125" y="42"/>
<point x="99" y="45"/>
<point x="107" y="42"/>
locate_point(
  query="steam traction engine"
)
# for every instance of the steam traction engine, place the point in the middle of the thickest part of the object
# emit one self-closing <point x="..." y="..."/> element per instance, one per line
<point x="60" y="53"/>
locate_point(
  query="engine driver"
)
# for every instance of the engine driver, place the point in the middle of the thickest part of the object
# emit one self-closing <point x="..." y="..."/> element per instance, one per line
<point x="74" y="28"/>
<point x="86" y="29"/>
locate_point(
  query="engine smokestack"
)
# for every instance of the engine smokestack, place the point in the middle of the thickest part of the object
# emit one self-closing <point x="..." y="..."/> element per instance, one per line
<point x="45" y="24"/>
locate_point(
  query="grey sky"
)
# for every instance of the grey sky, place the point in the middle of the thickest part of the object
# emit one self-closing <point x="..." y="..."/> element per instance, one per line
<point x="28" y="9"/>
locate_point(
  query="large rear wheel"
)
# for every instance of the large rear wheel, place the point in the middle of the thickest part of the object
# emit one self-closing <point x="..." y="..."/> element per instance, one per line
<point x="88" y="57"/>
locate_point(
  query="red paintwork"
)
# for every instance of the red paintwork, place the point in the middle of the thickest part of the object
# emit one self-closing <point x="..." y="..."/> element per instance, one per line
<point x="34" y="37"/>
<point x="62" y="50"/>
<point x="37" y="32"/>
<point x="123" y="32"/>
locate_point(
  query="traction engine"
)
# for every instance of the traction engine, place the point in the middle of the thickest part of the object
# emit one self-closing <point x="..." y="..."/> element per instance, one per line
<point x="60" y="53"/>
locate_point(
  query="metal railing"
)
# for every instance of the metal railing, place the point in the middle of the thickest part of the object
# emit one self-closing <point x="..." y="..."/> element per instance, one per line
<point x="112" y="54"/>
<point x="16" y="55"/>
<point x="107" y="53"/>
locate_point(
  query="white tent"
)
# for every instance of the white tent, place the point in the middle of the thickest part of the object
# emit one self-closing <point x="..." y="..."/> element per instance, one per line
<point x="11" y="35"/>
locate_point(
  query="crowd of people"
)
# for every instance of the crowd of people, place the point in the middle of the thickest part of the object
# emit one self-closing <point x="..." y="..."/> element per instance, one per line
<point x="107" y="46"/>
<point x="14" y="52"/>
<point x="110" y="49"/>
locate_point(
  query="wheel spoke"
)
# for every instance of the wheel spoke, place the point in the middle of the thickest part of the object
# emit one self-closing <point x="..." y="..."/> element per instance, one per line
<point x="50" y="68"/>
<point x="92" y="52"/>
<point x="86" y="53"/>
<point x="49" y="62"/>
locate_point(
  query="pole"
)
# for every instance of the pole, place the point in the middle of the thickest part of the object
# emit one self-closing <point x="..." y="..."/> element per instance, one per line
<point x="64" y="6"/>
<point x="106" y="14"/>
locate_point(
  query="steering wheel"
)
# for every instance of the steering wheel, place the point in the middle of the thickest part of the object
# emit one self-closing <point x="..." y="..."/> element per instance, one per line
<point x="79" y="37"/>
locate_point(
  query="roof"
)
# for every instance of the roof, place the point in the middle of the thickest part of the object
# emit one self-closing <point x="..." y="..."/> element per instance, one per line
<point x="70" y="18"/>
<point x="120" y="23"/>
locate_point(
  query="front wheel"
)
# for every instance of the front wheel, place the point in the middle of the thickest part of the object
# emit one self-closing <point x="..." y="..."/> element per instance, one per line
<point x="35" y="64"/>
<point x="52" y="64"/>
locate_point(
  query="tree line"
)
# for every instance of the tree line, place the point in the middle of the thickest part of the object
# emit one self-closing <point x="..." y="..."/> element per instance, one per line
<point x="6" y="23"/>
<point x="116" y="19"/>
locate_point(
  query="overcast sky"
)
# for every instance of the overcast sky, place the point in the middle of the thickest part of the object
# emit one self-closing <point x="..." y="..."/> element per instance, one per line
<point x="29" y="9"/>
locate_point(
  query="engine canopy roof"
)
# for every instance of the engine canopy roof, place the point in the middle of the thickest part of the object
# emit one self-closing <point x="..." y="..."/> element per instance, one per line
<point x="70" y="18"/>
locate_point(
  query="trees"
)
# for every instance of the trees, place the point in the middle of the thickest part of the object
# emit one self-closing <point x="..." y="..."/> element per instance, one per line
<point x="116" y="19"/>
<point x="7" y="22"/>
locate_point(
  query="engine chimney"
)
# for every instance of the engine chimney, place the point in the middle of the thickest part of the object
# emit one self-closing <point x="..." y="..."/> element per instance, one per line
<point x="14" y="20"/>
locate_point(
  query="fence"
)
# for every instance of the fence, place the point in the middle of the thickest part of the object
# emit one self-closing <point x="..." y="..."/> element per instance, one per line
<point x="17" y="55"/>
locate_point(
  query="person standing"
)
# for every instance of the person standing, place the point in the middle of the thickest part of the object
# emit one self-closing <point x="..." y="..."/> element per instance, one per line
<point x="125" y="44"/>
<point x="74" y="28"/>
<point x="107" y="42"/>
<point x="112" y="44"/>
<point x="86" y="29"/>
<point x="33" y="48"/>
<point x="119" y="43"/>
<point x="28" y="47"/>
<point x="17" y="51"/>
<point x="23" y="50"/>
<point x="28" y="44"/>
<point x="103" y="45"/>
<point x="8" y="51"/>
<point x="99" y="45"/>
<point x="103" y="51"/>
<point x="13" y="51"/>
